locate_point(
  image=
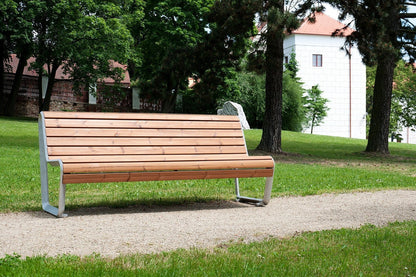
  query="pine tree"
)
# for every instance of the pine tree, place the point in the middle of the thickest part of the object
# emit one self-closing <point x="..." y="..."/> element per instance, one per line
<point x="383" y="35"/>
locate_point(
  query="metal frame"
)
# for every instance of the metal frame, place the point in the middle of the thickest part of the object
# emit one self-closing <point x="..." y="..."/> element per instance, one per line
<point x="256" y="201"/>
<point x="267" y="188"/>
<point x="44" y="161"/>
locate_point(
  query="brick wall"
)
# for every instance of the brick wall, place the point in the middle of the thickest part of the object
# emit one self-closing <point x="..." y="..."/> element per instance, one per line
<point x="64" y="99"/>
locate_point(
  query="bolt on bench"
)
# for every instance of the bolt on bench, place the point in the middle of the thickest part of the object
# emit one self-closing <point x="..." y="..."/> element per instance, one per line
<point x="130" y="147"/>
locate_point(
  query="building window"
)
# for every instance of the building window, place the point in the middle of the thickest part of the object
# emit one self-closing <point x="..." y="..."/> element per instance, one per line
<point x="317" y="60"/>
<point x="286" y="59"/>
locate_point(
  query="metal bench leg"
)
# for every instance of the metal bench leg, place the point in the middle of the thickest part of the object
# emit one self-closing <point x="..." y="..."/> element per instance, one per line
<point x="256" y="201"/>
<point x="58" y="212"/>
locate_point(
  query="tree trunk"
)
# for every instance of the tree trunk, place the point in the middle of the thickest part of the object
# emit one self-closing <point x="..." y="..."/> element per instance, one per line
<point x="169" y="102"/>
<point x="378" y="137"/>
<point x="2" y="64"/>
<point x="271" y="140"/>
<point x="11" y="102"/>
<point x="44" y="104"/>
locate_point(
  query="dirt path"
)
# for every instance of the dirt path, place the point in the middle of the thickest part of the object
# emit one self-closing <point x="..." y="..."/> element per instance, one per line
<point x="111" y="232"/>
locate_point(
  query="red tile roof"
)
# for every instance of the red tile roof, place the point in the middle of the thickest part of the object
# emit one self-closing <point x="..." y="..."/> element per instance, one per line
<point x="323" y="25"/>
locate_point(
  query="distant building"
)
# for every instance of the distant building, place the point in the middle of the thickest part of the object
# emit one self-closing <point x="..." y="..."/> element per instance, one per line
<point x="342" y="78"/>
<point x="63" y="97"/>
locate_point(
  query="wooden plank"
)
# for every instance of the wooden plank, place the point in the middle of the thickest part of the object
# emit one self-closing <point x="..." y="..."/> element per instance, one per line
<point x="150" y="158"/>
<point x="163" y="166"/>
<point x="153" y="158"/>
<point x="84" y="132"/>
<point x="137" y="150"/>
<point x="165" y="176"/>
<point x="142" y="124"/>
<point x="75" y="141"/>
<point x="139" y="116"/>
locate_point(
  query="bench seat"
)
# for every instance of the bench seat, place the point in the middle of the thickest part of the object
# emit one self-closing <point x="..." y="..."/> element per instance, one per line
<point x="122" y="147"/>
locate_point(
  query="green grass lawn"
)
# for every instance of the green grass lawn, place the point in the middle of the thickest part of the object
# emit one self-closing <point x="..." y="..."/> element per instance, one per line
<point x="312" y="164"/>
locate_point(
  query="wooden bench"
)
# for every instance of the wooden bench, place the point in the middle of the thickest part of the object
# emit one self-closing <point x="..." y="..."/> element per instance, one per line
<point x="130" y="147"/>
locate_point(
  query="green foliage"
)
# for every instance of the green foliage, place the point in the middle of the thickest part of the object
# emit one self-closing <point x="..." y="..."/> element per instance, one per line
<point x="292" y="112"/>
<point x="315" y="107"/>
<point x="101" y="38"/>
<point x="403" y="106"/>
<point x="248" y="89"/>
<point x="15" y="37"/>
<point x="404" y="95"/>
<point x="230" y="24"/>
<point x="172" y="31"/>
<point x="292" y="66"/>
<point x="83" y="36"/>
<point x="382" y="28"/>
<point x="383" y="33"/>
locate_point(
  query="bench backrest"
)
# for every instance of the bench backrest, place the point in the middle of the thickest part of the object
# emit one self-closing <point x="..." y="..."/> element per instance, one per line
<point x="89" y="137"/>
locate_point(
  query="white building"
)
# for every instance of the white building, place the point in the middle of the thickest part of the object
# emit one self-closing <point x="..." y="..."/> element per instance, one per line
<point x="342" y="78"/>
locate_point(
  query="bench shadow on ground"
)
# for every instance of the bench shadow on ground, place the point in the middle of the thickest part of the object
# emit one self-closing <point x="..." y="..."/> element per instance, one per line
<point x="144" y="208"/>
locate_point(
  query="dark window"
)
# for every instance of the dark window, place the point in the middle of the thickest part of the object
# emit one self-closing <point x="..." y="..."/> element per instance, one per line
<point x="317" y="60"/>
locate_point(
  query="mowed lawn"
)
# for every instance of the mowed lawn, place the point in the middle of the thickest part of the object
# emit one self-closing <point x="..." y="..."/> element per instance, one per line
<point x="311" y="164"/>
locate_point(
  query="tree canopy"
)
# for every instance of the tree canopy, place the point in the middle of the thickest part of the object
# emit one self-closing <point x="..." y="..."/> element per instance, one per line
<point x="403" y="106"/>
<point x="383" y="34"/>
<point x="15" y="37"/>
<point x="171" y="31"/>
<point x="281" y="17"/>
<point x="83" y="36"/>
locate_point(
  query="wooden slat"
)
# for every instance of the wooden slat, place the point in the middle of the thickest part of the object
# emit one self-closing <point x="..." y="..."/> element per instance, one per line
<point x="137" y="150"/>
<point x="145" y="124"/>
<point x="140" y="116"/>
<point x="164" y="176"/>
<point x="113" y="147"/>
<point x="163" y="166"/>
<point x="151" y="158"/>
<point x="67" y="141"/>
<point x="84" y="132"/>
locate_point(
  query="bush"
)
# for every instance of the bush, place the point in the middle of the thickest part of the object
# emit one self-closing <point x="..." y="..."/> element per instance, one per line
<point x="249" y="92"/>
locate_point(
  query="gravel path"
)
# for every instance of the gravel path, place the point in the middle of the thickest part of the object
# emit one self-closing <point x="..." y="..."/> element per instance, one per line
<point x="112" y="232"/>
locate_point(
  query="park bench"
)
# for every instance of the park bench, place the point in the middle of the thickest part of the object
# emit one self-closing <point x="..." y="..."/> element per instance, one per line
<point x="130" y="147"/>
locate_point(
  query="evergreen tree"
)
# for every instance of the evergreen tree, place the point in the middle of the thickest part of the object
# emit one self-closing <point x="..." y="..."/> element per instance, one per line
<point x="383" y="34"/>
<point x="281" y="17"/>
<point x="403" y="106"/>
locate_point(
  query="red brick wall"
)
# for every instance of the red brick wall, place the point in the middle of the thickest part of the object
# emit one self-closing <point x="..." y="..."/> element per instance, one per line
<point x="64" y="99"/>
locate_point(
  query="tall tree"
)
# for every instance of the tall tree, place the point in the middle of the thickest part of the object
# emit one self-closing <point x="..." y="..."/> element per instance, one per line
<point x="16" y="35"/>
<point x="383" y="33"/>
<point x="171" y="30"/>
<point x="403" y="106"/>
<point x="282" y="17"/>
<point x="230" y="25"/>
<point x="7" y="12"/>
<point x="83" y="36"/>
